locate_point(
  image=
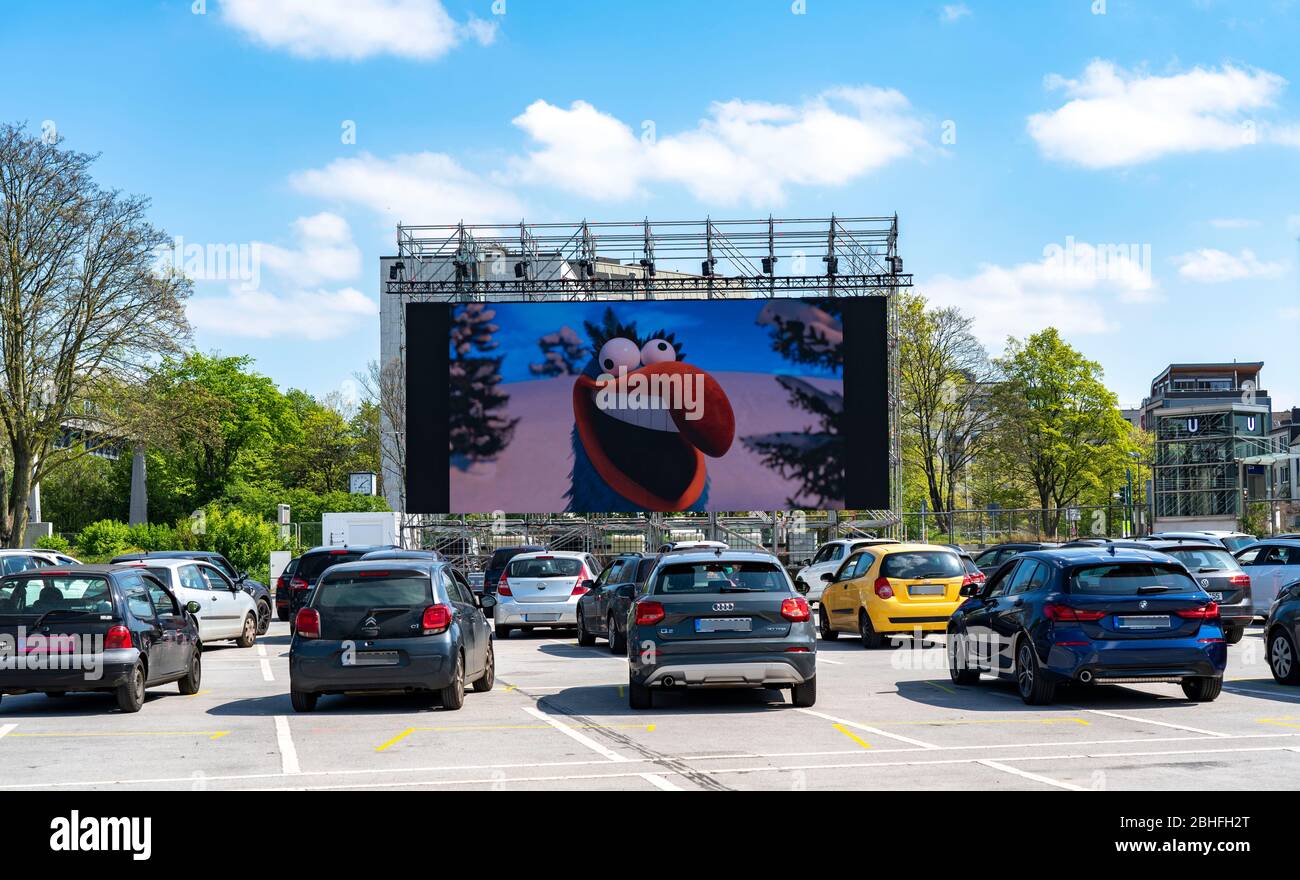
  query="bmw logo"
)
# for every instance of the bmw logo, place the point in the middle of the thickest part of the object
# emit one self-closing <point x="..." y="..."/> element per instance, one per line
<point x="1143" y="604"/>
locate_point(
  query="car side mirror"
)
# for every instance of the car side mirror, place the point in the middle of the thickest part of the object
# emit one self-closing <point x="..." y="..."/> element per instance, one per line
<point x="970" y="590"/>
<point x="193" y="607"/>
<point x="828" y="576"/>
<point x="487" y="600"/>
<point x="805" y="562"/>
<point x="801" y="587"/>
<point x="588" y="584"/>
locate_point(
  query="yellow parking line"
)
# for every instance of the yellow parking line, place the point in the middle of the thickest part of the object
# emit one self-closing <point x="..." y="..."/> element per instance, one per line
<point x="401" y="736"/>
<point x="1281" y="722"/>
<point x="942" y="687"/>
<point x="210" y="734"/>
<point x="851" y="735"/>
<point x="469" y="728"/>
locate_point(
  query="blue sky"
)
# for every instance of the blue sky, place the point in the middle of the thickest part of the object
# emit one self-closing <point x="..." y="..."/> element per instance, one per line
<point x="1003" y="134"/>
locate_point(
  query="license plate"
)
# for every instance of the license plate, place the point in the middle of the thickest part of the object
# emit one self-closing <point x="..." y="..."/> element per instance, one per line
<point x="926" y="590"/>
<point x="1143" y="622"/>
<point x="1217" y="597"/>
<point x="724" y="624"/>
<point x="540" y="618"/>
<point x="376" y="658"/>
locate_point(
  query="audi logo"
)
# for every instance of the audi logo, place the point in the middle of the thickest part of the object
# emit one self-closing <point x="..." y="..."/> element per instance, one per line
<point x="724" y="606"/>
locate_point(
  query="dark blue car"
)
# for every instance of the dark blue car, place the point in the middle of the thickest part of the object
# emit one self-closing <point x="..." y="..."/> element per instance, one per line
<point x="1089" y="615"/>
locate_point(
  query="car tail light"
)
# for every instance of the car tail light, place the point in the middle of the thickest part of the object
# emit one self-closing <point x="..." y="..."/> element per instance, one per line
<point x="1066" y="613"/>
<point x="299" y="584"/>
<point x="797" y="650"/>
<point x="578" y="588"/>
<point x="1239" y="580"/>
<point x="118" y="637"/>
<point x="648" y="613"/>
<point x="279" y="583"/>
<point x="1205" y="612"/>
<point x="971" y="579"/>
<point x="504" y="588"/>
<point x="436" y="619"/>
<point x="307" y="623"/>
<point x="883" y="588"/>
<point x="795" y="609"/>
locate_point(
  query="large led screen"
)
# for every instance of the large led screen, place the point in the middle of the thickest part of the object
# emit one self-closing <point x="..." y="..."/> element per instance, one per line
<point x="654" y="405"/>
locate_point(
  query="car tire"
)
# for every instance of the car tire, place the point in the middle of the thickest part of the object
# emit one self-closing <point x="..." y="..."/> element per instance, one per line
<point x="453" y="695"/>
<point x="248" y="637"/>
<point x="1035" y="689"/>
<point x="189" y="685"/>
<point x="960" y="673"/>
<point x="130" y="694"/>
<point x="1203" y="689"/>
<point x="585" y="639"/>
<point x="282" y="614"/>
<point x="1233" y="634"/>
<point x="1282" y="659"/>
<point x="824" y="626"/>
<point x="871" y="640"/>
<point x="263" y="617"/>
<point x="804" y="696"/>
<point x="302" y="701"/>
<point x="484" y="682"/>
<point x="639" y="696"/>
<point x="617" y="640"/>
<point x="503" y="631"/>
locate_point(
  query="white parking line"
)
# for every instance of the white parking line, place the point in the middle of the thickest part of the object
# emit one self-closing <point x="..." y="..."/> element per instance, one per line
<point x="568" y="731"/>
<point x="821" y="659"/>
<point x="1034" y="776"/>
<point x="659" y="782"/>
<point x="284" y="741"/>
<point x="875" y="730"/>
<point x="6" y="729"/>
<point x="1138" y="720"/>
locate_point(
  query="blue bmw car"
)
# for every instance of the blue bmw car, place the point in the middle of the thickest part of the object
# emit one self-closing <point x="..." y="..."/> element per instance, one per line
<point x="1089" y="615"/>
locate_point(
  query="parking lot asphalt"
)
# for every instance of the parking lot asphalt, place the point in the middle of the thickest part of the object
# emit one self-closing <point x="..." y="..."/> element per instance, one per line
<point x="558" y="719"/>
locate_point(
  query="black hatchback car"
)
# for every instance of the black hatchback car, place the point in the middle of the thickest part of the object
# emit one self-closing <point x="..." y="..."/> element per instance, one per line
<point x="602" y="610"/>
<point x="1282" y="635"/>
<point x="95" y="628"/>
<point x="388" y="625"/>
<point x="260" y="592"/>
<point x="990" y="560"/>
<point x="720" y="619"/>
<point x="312" y="564"/>
<point x="1089" y="615"/>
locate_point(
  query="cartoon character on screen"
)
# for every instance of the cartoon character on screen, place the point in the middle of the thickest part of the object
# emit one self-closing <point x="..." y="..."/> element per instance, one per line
<point x="644" y="421"/>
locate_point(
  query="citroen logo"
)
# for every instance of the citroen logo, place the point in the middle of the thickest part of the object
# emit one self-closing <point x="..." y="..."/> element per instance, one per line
<point x="370" y="623"/>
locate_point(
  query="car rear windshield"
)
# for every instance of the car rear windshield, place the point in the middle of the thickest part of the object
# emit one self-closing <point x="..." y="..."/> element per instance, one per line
<point x="915" y="564"/>
<point x="548" y="567"/>
<point x="501" y="557"/>
<point x="38" y="595"/>
<point x="1237" y="542"/>
<point x="1204" y="561"/>
<point x="311" y="566"/>
<point x="720" y="577"/>
<point x="1129" y="579"/>
<point x="373" y="591"/>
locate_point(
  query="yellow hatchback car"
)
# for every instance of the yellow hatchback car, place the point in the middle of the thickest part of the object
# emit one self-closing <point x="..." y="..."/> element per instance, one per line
<point x="891" y="589"/>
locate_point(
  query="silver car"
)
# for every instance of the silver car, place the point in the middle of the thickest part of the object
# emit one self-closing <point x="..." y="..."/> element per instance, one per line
<point x="542" y="588"/>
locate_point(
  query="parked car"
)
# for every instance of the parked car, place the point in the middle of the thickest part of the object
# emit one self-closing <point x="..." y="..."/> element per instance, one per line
<point x="284" y="592"/>
<point x="1234" y="541"/>
<point x="312" y="564"/>
<point x="125" y="629"/>
<point x="1219" y="574"/>
<point x="1089" y="616"/>
<point x="1193" y="537"/>
<point x="1282" y="635"/>
<point x="808" y="579"/>
<point x="1271" y="564"/>
<point x="15" y="561"/>
<point x="542" y="589"/>
<point x="891" y="589"/>
<point x="991" y="559"/>
<point x="225" y="611"/>
<point x="720" y="619"/>
<point x="499" y="560"/>
<point x="680" y="546"/>
<point x="603" y="609"/>
<point x="411" y="625"/>
<point x="260" y="592"/>
<point x="398" y="553"/>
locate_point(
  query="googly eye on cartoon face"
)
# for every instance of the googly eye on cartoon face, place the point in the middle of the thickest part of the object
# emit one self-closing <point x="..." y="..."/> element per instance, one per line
<point x="619" y="352"/>
<point x="658" y="351"/>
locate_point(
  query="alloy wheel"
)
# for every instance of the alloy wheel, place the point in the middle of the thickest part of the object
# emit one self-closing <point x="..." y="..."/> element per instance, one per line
<point x="1025" y="669"/>
<point x="1280" y="656"/>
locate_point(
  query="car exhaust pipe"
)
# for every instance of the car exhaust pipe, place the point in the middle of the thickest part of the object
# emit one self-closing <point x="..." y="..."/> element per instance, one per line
<point x="1085" y="676"/>
<point x="668" y="681"/>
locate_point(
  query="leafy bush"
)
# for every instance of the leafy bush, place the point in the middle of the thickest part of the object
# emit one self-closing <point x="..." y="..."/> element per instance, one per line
<point x="103" y="539"/>
<point x="246" y="540"/>
<point x="57" y="543"/>
<point x="153" y="536"/>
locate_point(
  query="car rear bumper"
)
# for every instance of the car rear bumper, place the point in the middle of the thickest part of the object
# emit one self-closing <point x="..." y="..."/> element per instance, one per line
<point x="1149" y="660"/>
<point x="1240" y="614"/>
<point x="73" y="672"/>
<point x="893" y="616"/>
<point x="324" y="666"/>
<point x="771" y="663"/>
<point x="535" y="613"/>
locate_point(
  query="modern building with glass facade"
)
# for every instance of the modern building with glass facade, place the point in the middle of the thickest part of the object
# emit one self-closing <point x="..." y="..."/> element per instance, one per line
<point x="1207" y="420"/>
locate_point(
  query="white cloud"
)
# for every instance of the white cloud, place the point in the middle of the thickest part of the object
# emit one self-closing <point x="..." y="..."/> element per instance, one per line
<point x="413" y="187"/>
<point x="316" y="315"/>
<point x="1290" y="313"/>
<point x="744" y="151"/>
<point x="1070" y="289"/>
<point x="325" y="252"/>
<point x="354" y="29"/>
<point x="953" y="12"/>
<point x="1233" y="223"/>
<point x="1116" y="117"/>
<point x="1212" y="266"/>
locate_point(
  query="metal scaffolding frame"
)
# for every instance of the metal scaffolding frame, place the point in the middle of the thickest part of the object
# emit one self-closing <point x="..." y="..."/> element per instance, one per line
<point x="645" y="259"/>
